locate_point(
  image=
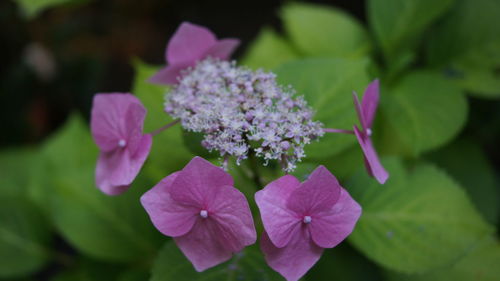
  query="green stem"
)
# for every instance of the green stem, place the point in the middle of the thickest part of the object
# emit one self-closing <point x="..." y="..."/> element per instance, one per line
<point x="255" y="170"/>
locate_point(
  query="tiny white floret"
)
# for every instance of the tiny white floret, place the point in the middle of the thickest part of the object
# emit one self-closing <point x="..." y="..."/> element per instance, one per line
<point x="307" y="219"/>
<point x="122" y="143"/>
<point x="204" y="214"/>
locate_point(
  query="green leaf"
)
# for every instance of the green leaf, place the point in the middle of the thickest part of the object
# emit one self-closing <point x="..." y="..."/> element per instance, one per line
<point x="343" y="165"/>
<point x="319" y="30"/>
<point x="88" y="270"/>
<point x="109" y="228"/>
<point x="268" y="51"/>
<point x="24" y="233"/>
<point x="398" y="24"/>
<point x="15" y="164"/>
<point x="31" y="8"/>
<point x="134" y="275"/>
<point x="418" y="221"/>
<point x="468" y="40"/>
<point x="172" y="265"/>
<point x="467" y="162"/>
<point x="192" y="141"/>
<point x="24" y="236"/>
<point x="480" y="264"/>
<point x="327" y="85"/>
<point x="168" y="153"/>
<point x="344" y="264"/>
<point x="479" y="82"/>
<point x="424" y="111"/>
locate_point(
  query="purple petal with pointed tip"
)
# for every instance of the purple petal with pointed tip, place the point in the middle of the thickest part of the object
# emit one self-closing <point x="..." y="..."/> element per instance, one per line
<point x="229" y="208"/>
<point x="134" y="122"/>
<point x="369" y="103"/>
<point x="202" y="245"/>
<point x="332" y="226"/>
<point x="223" y="48"/>
<point x="279" y="221"/>
<point x="168" y="75"/>
<point x="189" y="43"/>
<point x="371" y="157"/>
<point x="109" y="118"/>
<point x="116" y="170"/>
<point x="293" y="260"/>
<point x="198" y="181"/>
<point x="169" y="216"/>
<point x="318" y="193"/>
<point x="359" y="111"/>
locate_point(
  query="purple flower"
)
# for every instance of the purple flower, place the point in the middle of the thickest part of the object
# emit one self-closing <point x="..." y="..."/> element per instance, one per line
<point x="191" y="43"/>
<point x="116" y="123"/>
<point x="233" y="106"/>
<point x="300" y="219"/>
<point x="198" y="206"/>
<point x="366" y="113"/>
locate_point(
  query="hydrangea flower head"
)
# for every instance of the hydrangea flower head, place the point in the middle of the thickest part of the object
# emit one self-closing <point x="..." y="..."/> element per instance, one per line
<point x="366" y="113"/>
<point x="241" y="111"/>
<point x="198" y="206"/>
<point x="117" y="121"/>
<point x="301" y="219"/>
<point x="189" y="44"/>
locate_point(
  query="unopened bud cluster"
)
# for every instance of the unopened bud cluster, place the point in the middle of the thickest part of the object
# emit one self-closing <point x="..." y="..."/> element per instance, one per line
<point x="239" y="111"/>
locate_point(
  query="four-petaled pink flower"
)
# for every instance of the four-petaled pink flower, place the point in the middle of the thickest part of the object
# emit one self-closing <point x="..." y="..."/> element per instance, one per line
<point x="117" y="120"/>
<point x="190" y="44"/>
<point x="366" y="113"/>
<point x="301" y="219"/>
<point x="198" y="206"/>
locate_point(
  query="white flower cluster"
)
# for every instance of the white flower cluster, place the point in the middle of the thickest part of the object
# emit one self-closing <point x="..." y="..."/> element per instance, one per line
<point x="241" y="111"/>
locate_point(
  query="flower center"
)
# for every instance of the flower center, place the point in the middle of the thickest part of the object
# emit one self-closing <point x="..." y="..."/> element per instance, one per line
<point x="122" y="143"/>
<point x="307" y="219"/>
<point x="204" y="214"/>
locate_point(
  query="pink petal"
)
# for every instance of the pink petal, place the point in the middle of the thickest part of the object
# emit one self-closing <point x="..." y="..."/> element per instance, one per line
<point x="370" y="102"/>
<point x="280" y="222"/>
<point x="229" y="208"/>
<point x="359" y="111"/>
<point x="189" y="43"/>
<point x="198" y="181"/>
<point x="108" y="118"/>
<point x="168" y="75"/>
<point x="293" y="260"/>
<point x="202" y="245"/>
<point x="331" y="227"/>
<point x="317" y="194"/>
<point x="167" y="215"/>
<point x="134" y="123"/>
<point x="371" y="157"/>
<point x="116" y="170"/>
<point x="223" y="48"/>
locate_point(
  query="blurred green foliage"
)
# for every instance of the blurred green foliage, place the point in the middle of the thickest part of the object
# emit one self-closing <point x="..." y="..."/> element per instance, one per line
<point x="31" y="8"/>
<point x="327" y="85"/>
<point x="418" y="221"/>
<point x="435" y="218"/>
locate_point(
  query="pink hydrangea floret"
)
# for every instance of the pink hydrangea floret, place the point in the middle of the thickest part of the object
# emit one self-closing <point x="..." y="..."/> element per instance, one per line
<point x="301" y="219"/>
<point x="366" y="113"/>
<point x="190" y="44"/>
<point x="117" y="121"/>
<point x="198" y="206"/>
